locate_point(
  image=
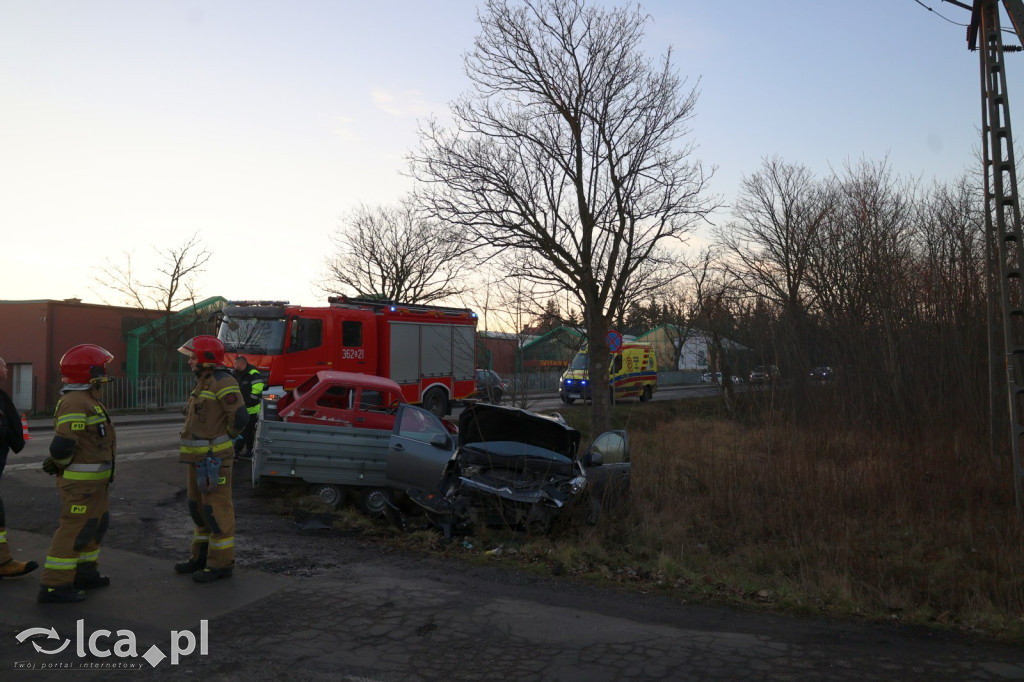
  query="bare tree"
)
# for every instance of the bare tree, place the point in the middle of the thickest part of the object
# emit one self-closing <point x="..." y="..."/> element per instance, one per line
<point x="715" y="293"/>
<point x="397" y="253"/>
<point x="779" y="215"/>
<point x="568" y="152"/>
<point x="171" y="288"/>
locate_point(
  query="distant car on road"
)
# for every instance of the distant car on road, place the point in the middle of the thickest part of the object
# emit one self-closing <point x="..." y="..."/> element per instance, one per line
<point x="490" y="387"/>
<point x="822" y="374"/>
<point x="763" y="374"/>
<point x="716" y="378"/>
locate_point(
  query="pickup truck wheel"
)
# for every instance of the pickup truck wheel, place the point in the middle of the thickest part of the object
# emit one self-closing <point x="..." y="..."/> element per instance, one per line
<point x="373" y="501"/>
<point x="436" y="401"/>
<point x="328" y="493"/>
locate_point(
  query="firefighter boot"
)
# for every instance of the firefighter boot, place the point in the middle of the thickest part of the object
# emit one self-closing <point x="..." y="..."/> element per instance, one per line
<point x="14" y="569"/>
<point x="208" y="575"/>
<point x="193" y="565"/>
<point x="88" y="577"/>
<point x="61" y="594"/>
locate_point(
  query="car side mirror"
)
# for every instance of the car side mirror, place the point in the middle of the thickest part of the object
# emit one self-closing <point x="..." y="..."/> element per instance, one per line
<point x="439" y="440"/>
<point x="611" y="447"/>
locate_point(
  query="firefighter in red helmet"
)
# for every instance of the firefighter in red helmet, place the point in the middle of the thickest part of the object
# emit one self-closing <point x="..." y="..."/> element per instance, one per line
<point x="82" y="458"/>
<point x="215" y="415"/>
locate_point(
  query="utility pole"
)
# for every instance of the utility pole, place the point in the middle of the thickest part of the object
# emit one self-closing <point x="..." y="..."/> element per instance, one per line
<point x="1002" y="206"/>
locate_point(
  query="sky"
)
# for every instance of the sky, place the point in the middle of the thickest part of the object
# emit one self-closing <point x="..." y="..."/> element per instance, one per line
<point x="127" y="127"/>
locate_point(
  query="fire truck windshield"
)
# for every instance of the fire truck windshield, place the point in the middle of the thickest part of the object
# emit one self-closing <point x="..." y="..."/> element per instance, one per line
<point x="256" y="336"/>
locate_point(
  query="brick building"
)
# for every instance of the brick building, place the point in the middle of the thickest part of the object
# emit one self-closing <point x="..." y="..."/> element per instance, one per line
<point x="35" y="334"/>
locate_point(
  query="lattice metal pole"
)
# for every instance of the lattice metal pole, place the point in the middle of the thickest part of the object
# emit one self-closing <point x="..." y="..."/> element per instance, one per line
<point x="1002" y="203"/>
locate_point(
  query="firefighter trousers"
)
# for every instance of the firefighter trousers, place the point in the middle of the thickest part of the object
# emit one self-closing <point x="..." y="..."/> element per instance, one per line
<point x="84" y="516"/>
<point x="214" y="516"/>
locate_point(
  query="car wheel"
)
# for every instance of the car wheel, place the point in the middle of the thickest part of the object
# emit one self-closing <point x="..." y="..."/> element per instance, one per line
<point x="373" y="501"/>
<point x="436" y="401"/>
<point x="567" y="400"/>
<point x="328" y="493"/>
<point x="646" y="394"/>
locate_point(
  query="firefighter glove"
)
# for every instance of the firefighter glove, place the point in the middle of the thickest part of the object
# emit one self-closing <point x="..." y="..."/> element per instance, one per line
<point x="50" y="466"/>
<point x="208" y="473"/>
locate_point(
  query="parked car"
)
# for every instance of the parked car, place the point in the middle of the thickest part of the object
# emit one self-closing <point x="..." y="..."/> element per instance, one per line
<point x="343" y="399"/>
<point x="763" y="374"/>
<point x="490" y="387"/>
<point x="822" y="374"/>
<point x="519" y="469"/>
<point x="716" y="378"/>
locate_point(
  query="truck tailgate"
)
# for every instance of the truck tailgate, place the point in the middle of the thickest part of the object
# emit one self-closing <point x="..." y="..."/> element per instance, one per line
<point x="320" y="454"/>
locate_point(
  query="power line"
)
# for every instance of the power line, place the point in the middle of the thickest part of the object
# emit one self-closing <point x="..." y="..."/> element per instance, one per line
<point x="939" y="15"/>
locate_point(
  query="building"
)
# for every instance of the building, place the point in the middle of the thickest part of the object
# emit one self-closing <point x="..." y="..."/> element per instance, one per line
<point x="688" y="350"/>
<point x="498" y="351"/>
<point x="37" y="333"/>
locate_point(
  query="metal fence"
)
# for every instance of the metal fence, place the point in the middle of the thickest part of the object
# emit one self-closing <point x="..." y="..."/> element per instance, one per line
<point x="153" y="392"/>
<point x="150" y="392"/>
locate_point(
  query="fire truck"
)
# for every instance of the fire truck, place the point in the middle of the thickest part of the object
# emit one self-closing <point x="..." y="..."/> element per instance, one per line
<point x="429" y="351"/>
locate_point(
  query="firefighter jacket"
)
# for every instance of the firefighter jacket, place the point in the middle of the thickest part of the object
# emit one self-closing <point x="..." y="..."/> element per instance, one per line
<point x="214" y="416"/>
<point x="250" y="382"/>
<point x="84" y="441"/>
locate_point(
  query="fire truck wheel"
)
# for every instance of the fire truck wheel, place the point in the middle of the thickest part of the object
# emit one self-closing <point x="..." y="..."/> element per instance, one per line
<point x="436" y="401"/>
<point x="328" y="493"/>
<point x="373" y="501"/>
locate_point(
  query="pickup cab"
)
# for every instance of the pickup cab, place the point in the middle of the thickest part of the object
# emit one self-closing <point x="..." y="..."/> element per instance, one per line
<point x="342" y="433"/>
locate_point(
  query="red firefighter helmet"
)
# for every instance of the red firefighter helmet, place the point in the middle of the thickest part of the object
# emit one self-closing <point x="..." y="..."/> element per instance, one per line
<point x="86" y="363"/>
<point x="208" y="350"/>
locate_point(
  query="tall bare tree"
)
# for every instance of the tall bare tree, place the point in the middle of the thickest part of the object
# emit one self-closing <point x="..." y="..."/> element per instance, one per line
<point x="395" y="252"/>
<point x="569" y="151"/>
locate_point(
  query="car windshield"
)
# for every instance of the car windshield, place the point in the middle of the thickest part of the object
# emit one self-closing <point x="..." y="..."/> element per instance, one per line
<point x="581" y="361"/>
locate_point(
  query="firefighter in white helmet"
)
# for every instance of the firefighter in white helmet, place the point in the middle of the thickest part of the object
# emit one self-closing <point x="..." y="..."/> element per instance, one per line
<point x="215" y="415"/>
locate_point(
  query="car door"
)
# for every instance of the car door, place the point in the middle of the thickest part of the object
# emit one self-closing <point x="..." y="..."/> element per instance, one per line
<point x="418" y="450"/>
<point x="610" y="478"/>
<point x="375" y="409"/>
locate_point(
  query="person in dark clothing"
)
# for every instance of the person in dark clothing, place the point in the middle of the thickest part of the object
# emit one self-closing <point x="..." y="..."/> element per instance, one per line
<point x="250" y="382"/>
<point x="11" y="438"/>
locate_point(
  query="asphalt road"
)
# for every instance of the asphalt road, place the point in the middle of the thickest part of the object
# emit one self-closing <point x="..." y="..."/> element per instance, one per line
<point x="323" y="604"/>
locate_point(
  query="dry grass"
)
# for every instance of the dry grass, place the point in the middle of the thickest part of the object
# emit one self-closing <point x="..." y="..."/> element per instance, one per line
<point x="841" y="522"/>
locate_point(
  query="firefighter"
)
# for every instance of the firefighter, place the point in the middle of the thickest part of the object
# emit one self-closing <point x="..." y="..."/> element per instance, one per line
<point x="82" y="458"/>
<point x="11" y="438"/>
<point x="250" y="382"/>
<point x="215" y="415"/>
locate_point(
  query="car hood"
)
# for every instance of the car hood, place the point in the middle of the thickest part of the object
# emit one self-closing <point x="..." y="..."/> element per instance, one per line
<point x="483" y="423"/>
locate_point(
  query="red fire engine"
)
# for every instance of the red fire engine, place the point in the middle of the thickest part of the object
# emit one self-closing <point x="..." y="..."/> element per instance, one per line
<point x="427" y="350"/>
